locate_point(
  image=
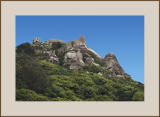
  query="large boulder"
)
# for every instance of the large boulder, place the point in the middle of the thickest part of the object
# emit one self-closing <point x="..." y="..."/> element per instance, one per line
<point x="111" y="63"/>
<point x="69" y="45"/>
<point x="54" y="60"/>
<point x="89" y="60"/>
<point x="52" y="57"/>
<point x="74" y="60"/>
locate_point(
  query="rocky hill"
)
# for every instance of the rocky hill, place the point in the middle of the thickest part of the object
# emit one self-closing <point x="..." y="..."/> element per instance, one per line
<point x="76" y="55"/>
<point x="74" y="64"/>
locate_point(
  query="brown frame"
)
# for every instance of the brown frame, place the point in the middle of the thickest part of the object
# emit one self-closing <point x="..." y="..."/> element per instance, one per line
<point x="80" y="0"/>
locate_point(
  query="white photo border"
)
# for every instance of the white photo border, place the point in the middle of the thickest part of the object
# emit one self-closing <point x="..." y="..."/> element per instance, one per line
<point x="150" y="11"/>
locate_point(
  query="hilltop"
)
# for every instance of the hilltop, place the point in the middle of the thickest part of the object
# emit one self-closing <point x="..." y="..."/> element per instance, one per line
<point x="71" y="71"/>
<point x="76" y="55"/>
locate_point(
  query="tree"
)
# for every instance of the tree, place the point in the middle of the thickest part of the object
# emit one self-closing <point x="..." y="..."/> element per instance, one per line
<point x="57" y="45"/>
<point x="92" y="68"/>
<point x="138" y="96"/>
<point x="125" y="93"/>
<point x="25" y="48"/>
<point x="30" y="74"/>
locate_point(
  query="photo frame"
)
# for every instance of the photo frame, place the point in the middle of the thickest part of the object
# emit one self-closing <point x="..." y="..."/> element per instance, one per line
<point x="149" y="9"/>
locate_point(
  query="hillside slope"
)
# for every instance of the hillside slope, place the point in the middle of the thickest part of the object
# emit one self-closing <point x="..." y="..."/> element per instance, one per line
<point x="60" y="71"/>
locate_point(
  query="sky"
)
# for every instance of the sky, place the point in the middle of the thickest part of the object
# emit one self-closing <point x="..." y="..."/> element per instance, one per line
<point x="121" y="35"/>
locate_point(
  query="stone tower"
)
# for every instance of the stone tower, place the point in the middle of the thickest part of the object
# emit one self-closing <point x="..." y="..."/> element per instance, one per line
<point x="36" y="39"/>
<point x="82" y="39"/>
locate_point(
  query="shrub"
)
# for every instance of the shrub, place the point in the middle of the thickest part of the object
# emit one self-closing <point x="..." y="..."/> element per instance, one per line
<point x="138" y="96"/>
<point x="99" y="80"/>
<point x="30" y="74"/>
<point x="29" y="95"/>
<point x="89" y="92"/>
<point x="125" y="93"/>
<point x="103" y="98"/>
<point x="25" y="48"/>
<point x="57" y="45"/>
<point x="92" y="68"/>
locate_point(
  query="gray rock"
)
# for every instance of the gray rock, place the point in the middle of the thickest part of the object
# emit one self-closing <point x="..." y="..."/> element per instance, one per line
<point x="89" y="60"/>
<point x="54" y="40"/>
<point x="74" y="60"/>
<point x="50" y="41"/>
<point x="79" y="55"/>
<point x="100" y="74"/>
<point x="52" y="53"/>
<point x="52" y="57"/>
<point x="69" y="45"/>
<point x="112" y="64"/>
<point x="54" y="60"/>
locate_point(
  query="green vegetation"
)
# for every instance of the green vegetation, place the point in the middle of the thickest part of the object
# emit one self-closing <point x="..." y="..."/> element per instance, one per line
<point x="40" y="80"/>
<point x="92" y="68"/>
<point x="57" y="45"/>
<point x="138" y="96"/>
<point x="60" y="55"/>
<point x="29" y="95"/>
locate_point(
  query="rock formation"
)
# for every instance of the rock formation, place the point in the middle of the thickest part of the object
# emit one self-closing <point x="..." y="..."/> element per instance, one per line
<point x="111" y="63"/>
<point x="74" y="60"/>
<point x="51" y="41"/>
<point x="89" y="60"/>
<point x="53" y="58"/>
<point x="76" y="55"/>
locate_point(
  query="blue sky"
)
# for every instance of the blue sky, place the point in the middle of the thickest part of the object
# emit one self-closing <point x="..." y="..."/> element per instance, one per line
<point x="121" y="35"/>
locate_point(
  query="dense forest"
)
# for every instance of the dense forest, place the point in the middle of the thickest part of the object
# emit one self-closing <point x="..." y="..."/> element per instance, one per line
<point x="38" y="79"/>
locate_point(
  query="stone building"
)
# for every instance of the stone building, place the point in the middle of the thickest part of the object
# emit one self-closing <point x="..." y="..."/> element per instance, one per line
<point x="36" y="39"/>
